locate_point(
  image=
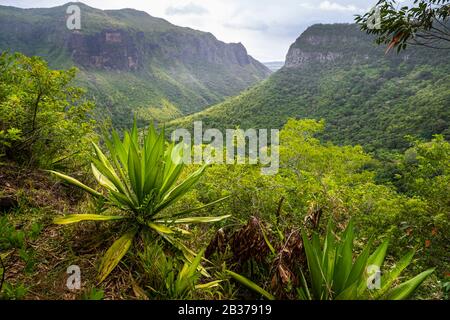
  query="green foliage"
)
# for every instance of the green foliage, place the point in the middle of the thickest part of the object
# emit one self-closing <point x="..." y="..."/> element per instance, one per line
<point x="12" y="238"/>
<point x="2" y="270"/>
<point x="28" y="256"/>
<point x="167" y="279"/>
<point x="446" y="288"/>
<point x="9" y="236"/>
<point x="9" y="137"/>
<point x="335" y="274"/>
<point x="341" y="183"/>
<point x="141" y="181"/>
<point x="43" y="120"/>
<point x="424" y="22"/>
<point x="313" y="175"/>
<point x="179" y="285"/>
<point x="164" y="113"/>
<point x="188" y="68"/>
<point x="424" y="171"/>
<point x="251" y="285"/>
<point x="13" y="292"/>
<point x="365" y="96"/>
<point x="94" y="294"/>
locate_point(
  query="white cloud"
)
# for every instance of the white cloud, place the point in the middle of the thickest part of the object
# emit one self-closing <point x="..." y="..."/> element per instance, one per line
<point x="333" y="6"/>
<point x="189" y="9"/>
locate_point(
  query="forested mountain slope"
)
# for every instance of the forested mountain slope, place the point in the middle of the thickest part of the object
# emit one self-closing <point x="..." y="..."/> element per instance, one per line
<point x="131" y="61"/>
<point x="336" y="72"/>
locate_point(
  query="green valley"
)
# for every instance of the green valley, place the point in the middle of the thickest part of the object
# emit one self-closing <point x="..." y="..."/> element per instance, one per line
<point x="343" y="193"/>
<point x="130" y="60"/>
<point x="337" y="73"/>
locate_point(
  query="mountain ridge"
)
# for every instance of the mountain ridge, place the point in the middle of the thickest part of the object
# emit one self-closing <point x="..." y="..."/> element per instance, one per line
<point x="123" y="52"/>
<point x="335" y="72"/>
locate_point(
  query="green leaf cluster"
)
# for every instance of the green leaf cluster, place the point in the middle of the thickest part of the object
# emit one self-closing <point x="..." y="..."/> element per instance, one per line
<point x="140" y="180"/>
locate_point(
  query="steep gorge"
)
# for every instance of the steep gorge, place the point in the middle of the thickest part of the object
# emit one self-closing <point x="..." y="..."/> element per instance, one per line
<point x="337" y="73"/>
<point x="130" y="61"/>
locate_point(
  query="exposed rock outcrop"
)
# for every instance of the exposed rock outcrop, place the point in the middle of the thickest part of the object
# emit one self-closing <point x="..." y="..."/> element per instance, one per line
<point x="108" y="50"/>
<point x="297" y="58"/>
<point x="126" y="50"/>
<point x="123" y="51"/>
<point x="316" y="46"/>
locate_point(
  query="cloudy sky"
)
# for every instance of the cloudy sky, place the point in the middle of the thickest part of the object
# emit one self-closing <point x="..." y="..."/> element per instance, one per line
<point x="265" y="27"/>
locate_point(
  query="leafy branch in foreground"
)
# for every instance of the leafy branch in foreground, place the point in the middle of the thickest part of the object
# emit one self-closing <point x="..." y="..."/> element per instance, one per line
<point x="141" y="181"/>
<point x="425" y="22"/>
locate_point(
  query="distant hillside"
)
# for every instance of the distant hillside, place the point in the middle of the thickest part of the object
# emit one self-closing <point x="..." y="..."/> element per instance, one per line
<point x="337" y="73"/>
<point x="274" y="65"/>
<point x="131" y="61"/>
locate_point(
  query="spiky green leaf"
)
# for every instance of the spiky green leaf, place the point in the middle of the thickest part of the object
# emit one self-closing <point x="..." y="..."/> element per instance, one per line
<point x="76" y="183"/>
<point x="250" y="284"/>
<point x="75" y="218"/>
<point x="114" y="254"/>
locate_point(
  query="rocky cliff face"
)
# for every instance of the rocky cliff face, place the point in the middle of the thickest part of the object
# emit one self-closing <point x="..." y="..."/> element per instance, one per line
<point x="127" y="51"/>
<point x="187" y="47"/>
<point x="107" y="50"/>
<point x="117" y="40"/>
<point x="341" y="44"/>
<point x="337" y="73"/>
<point x="123" y="51"/>
<point x="329" y="43"/>
<point x="298" y="58"/>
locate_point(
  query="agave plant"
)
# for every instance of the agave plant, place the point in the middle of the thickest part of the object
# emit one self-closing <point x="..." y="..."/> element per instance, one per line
<point x="141" y="180"/>
<point x="168" y="279"/>
<point x="334" y="274"/>
<point x="186" y="281"/>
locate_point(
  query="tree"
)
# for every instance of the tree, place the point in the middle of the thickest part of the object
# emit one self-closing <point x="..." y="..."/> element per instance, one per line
<point x="425" y="23"/>
<point x="43" y="119"/>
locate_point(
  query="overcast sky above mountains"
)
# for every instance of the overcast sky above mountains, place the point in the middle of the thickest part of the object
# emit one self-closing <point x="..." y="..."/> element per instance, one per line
<point x="265" y="27"/>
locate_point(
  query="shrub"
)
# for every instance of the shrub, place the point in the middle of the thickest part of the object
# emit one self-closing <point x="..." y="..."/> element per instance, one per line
<point x="44" y="120"/>
<point x="141" y="181"/>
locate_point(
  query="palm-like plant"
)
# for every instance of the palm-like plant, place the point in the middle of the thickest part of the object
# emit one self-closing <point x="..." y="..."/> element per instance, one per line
<point x="182" y="285"/>
<point x="141" y="180"/>
<point x="168" y="279"/>
<point x="334" y="274"/>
